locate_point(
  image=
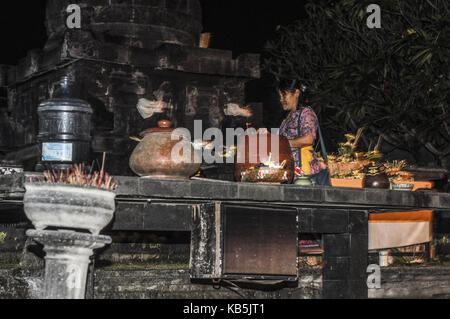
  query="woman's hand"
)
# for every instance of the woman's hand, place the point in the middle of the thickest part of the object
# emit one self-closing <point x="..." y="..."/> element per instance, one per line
<point x="200" y="144"/>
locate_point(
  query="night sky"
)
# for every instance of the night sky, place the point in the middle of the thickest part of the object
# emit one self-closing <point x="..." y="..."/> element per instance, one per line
<point x="237" y="25"/>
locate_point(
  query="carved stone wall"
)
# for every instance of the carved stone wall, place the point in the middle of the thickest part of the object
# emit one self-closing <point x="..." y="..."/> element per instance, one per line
<point x="125" y="52"/>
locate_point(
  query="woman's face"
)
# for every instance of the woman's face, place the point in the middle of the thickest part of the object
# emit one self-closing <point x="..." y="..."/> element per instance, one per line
<point x="289" y="100"/>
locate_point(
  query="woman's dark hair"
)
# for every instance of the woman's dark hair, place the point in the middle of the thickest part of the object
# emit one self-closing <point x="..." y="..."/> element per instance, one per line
<point x="291" y="85"/>
<point x="288" y="85"/>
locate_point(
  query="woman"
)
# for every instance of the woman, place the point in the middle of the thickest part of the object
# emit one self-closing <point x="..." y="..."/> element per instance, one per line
<point x="301" y="128"/>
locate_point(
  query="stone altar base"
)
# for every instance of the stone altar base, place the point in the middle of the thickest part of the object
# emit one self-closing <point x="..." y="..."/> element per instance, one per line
<point x="67" y="261"/>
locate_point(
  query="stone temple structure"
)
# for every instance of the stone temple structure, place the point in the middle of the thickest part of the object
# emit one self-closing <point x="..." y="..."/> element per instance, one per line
<point x="125" y="53"/>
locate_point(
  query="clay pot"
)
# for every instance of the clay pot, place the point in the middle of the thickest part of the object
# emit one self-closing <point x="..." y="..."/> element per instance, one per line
<point x="152" y="158"/>
<point x="380" y="181"/>
<point x="243" y="147"/>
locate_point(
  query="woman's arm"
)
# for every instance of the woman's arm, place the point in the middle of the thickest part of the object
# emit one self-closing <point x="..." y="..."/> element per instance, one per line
<point x="303" y="141"/>
<point x="307" y="130"/>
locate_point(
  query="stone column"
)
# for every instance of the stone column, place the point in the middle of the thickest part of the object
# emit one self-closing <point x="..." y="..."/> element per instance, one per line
<point x="345" y="257"/>
<point x="67" y="261"/>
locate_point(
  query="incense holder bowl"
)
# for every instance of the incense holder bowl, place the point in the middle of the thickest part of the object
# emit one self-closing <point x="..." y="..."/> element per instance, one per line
<point x="68" y="207"/>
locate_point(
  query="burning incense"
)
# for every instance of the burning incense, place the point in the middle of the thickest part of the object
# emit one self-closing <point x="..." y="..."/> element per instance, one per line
<point x="77" y="176"/>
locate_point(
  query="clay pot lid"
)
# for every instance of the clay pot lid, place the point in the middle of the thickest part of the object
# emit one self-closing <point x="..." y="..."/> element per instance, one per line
<point x="164" y="126"/>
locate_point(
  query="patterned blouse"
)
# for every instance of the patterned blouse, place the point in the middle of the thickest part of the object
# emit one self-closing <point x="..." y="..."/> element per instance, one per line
<point x="302" y="123"/>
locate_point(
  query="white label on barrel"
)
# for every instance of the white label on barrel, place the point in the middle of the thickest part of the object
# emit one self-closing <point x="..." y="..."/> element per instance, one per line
<point x="56" y="152"/>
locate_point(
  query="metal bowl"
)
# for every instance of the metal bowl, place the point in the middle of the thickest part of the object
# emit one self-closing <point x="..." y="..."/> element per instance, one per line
<point x="403" y="187"/>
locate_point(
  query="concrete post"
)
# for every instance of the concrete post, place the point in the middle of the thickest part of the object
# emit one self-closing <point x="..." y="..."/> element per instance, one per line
<point x="384" y="258"/>
<point x="67" y="261"/>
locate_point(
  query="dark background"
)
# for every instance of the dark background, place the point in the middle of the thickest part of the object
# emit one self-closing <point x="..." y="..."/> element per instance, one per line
<point x="245" y="25"/>
<point x="242" y="26"/>
<point x="237" y="25"/>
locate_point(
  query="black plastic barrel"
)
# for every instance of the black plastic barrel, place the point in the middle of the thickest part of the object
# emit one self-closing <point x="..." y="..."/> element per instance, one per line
<point x="64" y="132"/>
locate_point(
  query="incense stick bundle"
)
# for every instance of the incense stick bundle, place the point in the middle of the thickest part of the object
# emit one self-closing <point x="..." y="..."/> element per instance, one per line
<point x="380" y="139"/>
<point x="358" y="138"/>
<point x="77" y="176"/>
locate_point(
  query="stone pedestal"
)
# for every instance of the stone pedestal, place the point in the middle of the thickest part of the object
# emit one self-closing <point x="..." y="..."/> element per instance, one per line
<point x="67" y="261"/>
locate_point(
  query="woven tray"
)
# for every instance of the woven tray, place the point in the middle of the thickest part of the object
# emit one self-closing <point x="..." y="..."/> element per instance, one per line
<point x="265" y="175"/>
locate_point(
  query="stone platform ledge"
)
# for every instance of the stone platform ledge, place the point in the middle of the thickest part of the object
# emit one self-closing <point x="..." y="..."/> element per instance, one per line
<point x="288" y="194"/>
<point x="430" y="282"/>
<point x="397" y="282"/>
<point x="189" y="190"/>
